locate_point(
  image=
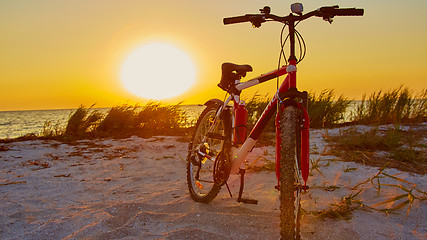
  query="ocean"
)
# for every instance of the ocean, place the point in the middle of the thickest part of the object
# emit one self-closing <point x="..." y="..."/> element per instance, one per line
<point x="19" y="123"/>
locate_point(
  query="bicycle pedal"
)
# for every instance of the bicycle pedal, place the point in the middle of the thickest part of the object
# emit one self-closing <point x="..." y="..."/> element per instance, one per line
<point x="247" y="201"/>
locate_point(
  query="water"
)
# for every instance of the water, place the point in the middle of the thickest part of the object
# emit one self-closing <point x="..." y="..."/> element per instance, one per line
<point x="18" y="123"/>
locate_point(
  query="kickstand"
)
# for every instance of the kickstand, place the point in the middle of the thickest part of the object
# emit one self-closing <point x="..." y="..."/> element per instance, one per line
<point x="228" y="188"/>
<point x="242" y="183"/>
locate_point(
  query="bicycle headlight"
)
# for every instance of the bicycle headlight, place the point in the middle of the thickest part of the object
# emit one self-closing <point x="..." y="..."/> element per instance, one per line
<point x="297" y="8"/>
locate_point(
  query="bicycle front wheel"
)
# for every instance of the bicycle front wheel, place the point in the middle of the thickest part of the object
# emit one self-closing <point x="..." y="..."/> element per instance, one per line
<point x="207" y="157"/>
<point x="290" y="184"/>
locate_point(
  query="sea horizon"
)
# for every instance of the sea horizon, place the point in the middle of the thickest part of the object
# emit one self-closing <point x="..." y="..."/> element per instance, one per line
<point x="17" y="123"/>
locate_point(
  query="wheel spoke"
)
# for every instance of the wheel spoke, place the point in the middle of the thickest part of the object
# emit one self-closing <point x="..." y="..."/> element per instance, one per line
<point x="206" y="181"/>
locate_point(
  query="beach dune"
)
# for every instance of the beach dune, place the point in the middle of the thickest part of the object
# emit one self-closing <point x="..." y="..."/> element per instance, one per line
<point x="136" y="188"/>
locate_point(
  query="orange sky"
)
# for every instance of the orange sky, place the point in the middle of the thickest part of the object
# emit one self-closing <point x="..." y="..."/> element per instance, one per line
<point x="60" y="54"/>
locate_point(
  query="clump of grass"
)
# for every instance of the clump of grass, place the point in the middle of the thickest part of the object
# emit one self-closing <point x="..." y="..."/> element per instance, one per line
<point x="81" y="122"/>
<point x="267" y="165"/>
<point x="159" y="119"/>
<point x="119" y="121"/>
<point x="51" y="130"/>
<point x="325" y="109"/>
<point x="342" y="209"/>
<point x="152" y="119"/>
<point x="401" y="147"/>
<point x="369" y="140"/>
<point x="408" y="155"/>
<point x="395" y="106"/>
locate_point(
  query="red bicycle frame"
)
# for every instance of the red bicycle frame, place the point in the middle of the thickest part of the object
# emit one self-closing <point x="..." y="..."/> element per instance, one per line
<point x="238" y="155"/>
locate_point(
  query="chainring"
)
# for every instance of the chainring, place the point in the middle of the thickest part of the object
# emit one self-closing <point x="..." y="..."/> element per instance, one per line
<point x="222" y="168"/>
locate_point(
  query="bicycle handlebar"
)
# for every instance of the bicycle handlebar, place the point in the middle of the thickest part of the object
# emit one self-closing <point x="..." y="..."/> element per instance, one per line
<point x="348" y="12"/>
<point x="326" y="12"/>
<point x="238" y="19"/>
<point x="330" y="12"/>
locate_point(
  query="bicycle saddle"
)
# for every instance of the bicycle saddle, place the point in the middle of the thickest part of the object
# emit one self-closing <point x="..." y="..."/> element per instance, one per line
<point x="230" y="67"/>
<point x="230" y="73"/>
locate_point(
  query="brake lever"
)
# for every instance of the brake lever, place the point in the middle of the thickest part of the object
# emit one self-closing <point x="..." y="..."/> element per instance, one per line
<point x="329" y="19"/>
<point x="257" y="20"/>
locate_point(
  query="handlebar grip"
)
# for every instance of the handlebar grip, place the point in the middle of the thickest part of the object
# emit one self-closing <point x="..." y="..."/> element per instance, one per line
<point x="239" y="19"/>
<point x="348" y="12"/>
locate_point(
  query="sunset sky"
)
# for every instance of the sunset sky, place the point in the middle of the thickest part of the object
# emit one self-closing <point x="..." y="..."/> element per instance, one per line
<point x="60" y="54"/>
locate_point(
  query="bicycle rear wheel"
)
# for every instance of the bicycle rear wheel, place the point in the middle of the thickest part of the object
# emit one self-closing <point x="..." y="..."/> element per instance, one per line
<point x="207" y="160"/>
<point x="290" y="178"/>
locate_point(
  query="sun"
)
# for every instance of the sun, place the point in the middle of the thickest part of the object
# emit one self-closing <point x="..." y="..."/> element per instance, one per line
<point x="158" y="71"/>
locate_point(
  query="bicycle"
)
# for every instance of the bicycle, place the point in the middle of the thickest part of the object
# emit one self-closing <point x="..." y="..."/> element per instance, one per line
<point x="220" y="143"/>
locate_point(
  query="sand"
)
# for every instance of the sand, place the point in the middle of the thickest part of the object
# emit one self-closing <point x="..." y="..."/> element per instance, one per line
<point x="136" y="188"/>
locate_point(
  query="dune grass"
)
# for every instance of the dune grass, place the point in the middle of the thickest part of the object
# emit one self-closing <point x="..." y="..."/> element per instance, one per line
<point x="82" y="122"/>
<point x="51" y="130"/>
<point x="395" y="106"/>
<point x="156" y="118"/>
<point x="402" y="148"/>
<point x="152" y="119"/>
<point x="126" y="120"/>
<point x="325" y="109"/>
<point x="120" y="121"/>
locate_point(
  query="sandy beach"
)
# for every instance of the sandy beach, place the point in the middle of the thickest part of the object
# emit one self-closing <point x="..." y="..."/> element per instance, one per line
<point x="136" y="188"/>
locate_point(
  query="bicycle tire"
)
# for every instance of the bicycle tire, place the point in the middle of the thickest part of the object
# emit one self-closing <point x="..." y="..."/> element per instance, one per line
<point x="290" y="187"/>
<point x="206" y="188"/>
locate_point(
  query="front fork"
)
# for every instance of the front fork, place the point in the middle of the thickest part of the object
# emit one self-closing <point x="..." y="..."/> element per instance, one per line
<point x="289" y="98"/>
